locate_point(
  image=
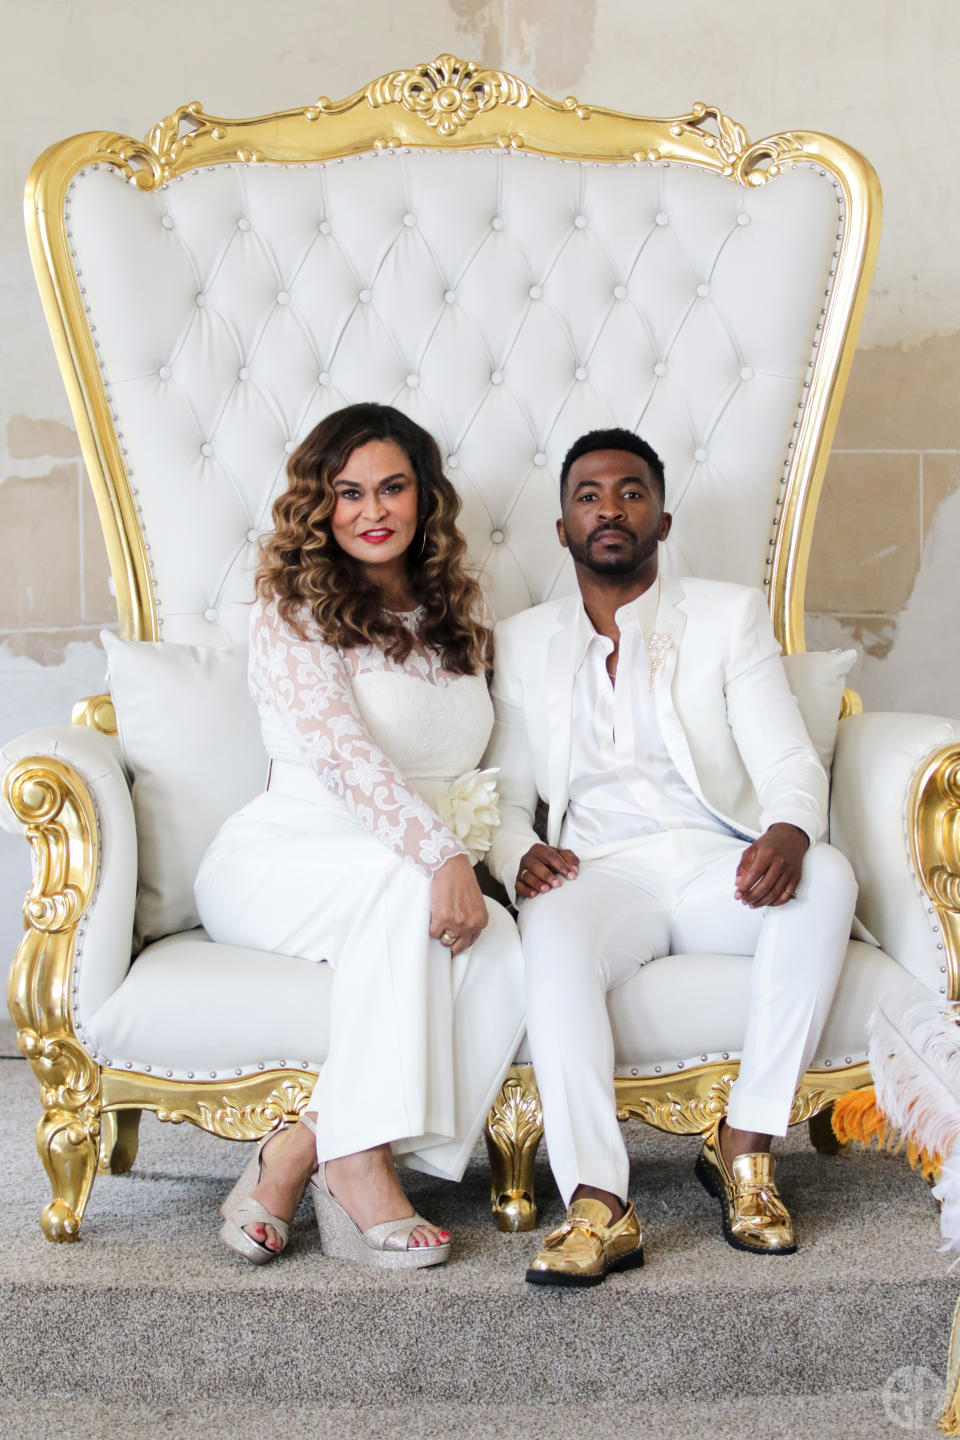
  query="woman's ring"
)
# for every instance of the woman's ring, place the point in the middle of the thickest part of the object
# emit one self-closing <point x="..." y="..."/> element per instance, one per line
<point x="447" y="939"/>
<point x="521" y="875"/>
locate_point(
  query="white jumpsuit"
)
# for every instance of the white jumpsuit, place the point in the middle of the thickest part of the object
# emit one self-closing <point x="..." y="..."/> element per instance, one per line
<point x="334" y="862"/>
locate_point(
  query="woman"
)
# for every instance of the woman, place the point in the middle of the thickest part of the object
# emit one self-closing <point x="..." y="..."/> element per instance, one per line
<point x="369" y="640"/>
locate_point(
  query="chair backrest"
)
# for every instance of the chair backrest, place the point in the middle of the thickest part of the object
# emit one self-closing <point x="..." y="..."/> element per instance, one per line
<point x="508" y="269"/>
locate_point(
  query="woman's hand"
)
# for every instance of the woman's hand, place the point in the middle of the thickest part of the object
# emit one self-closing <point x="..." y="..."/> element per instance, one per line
<point x="457" y="907"/>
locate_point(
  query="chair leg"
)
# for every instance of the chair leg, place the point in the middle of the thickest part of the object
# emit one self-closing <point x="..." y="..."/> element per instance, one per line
<point x="822" y="1137"/>
<point x="514" y="1129"/>
<point x="69" y="1144"/>
<point x="119" y="1138"/>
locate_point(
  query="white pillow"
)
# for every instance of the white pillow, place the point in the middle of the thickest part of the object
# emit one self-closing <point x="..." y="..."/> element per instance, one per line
<point x="191" y="740"/>
<point x="817" y="678"/>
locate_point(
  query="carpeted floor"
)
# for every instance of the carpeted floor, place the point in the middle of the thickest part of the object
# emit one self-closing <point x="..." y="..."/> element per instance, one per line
<point x="148" y="1327"/>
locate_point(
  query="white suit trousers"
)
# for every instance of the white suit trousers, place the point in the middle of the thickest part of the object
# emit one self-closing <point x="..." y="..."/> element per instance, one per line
<point x="419" y="1043"/>
<point x="672" y="893"/>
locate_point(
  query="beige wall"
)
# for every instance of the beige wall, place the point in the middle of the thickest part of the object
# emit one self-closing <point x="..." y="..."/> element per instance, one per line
<point x="880" y="76"/>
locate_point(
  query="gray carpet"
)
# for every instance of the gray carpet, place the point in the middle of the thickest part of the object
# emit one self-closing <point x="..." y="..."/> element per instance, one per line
<point x="702" y="1341"/>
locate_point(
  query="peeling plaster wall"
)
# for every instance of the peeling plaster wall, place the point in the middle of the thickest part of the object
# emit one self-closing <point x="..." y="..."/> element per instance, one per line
<point x="877" y="74"/>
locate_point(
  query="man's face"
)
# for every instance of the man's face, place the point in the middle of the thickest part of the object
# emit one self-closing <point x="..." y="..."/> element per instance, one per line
<point x="612" y="516"/>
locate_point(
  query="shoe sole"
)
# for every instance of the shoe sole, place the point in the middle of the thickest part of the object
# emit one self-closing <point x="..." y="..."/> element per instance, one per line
<point x="707" y="1179"/>
<point x="631" y="1261"/>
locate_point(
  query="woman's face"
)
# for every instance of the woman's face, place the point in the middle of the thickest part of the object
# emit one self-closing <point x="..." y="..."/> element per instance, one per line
<point x="375" y="516"/>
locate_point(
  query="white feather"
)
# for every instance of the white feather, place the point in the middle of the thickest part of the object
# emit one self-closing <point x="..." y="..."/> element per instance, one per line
<point x="914" y="1048"/>
<point x="947" y="1191"/>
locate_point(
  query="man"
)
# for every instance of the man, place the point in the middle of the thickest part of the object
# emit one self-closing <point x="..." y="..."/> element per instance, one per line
<point x="685" y="806"/>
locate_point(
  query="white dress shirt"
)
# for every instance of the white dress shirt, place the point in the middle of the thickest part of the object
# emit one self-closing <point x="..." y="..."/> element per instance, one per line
<point x="623" y="783"/>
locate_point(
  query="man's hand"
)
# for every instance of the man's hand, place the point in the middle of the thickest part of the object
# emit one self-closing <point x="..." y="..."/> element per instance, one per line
<point x="769" y="869"/>
<point x="543" y="868"/>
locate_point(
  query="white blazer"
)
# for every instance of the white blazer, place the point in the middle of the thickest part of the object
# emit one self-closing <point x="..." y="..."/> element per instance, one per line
<point x="728" y="717"/>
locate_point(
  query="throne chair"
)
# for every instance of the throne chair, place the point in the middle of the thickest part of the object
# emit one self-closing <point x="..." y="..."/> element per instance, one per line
<point x="512" y="270"/>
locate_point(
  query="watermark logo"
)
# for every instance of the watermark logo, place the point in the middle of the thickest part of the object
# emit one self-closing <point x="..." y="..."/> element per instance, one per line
<point x="912" y="1397"/>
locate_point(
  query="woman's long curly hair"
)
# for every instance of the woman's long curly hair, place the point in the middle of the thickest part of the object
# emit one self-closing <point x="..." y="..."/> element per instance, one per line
<point x="303" y="568"/>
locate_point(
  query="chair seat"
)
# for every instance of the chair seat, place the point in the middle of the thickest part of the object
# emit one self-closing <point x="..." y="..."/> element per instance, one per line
<point x="187" y="1000"/>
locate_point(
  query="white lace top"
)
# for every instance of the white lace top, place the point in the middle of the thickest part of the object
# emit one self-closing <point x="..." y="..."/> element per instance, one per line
<point x="379" y="733"/>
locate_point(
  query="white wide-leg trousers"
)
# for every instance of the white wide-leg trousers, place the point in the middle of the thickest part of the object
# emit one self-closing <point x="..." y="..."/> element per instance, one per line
<point x="419" y="1043"/>
<point x="672" y="893"/>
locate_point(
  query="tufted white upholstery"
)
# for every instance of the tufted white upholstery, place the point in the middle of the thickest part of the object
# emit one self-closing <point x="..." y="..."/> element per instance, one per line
<point x="505" y="300"/>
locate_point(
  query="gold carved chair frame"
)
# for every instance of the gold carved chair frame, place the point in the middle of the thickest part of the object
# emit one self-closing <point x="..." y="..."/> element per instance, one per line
<point x="91" y="1113"/>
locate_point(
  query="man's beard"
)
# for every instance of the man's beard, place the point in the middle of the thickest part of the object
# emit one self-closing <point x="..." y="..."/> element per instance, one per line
<point x="625" y="562"/>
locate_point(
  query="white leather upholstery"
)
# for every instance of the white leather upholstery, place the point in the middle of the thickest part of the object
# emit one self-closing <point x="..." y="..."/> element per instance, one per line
<point x="876" y="758"/>
<point x="507" y="301"/>
<point x="187" y="1002"/>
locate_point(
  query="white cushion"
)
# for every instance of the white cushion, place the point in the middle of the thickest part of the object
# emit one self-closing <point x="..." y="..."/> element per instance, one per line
<point x="191" y="740"/>
<point x="817" y="678"/>
<point x="204" y="1011"/>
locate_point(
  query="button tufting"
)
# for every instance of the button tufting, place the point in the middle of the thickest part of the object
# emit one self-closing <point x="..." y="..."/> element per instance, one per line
<point x="659" y="368"/>
<point x="243" y="223"/>
<point x="699" y="455"/>
<point x="206" y="448"/>
<point x="243" y="373"/>
<point x="453" y="462"/>
<point x="324" y="227"/>
<point x="289" y="446"/>
<point x="581" y="222"/>
<point x="324" y="377"/>
<point x="283" y="298"/>
<point x="496" y="377"/>
<point x="743" y="218"/>
<point x="539" y="458"/>
<point x="663" y="219"/>
<point x="536" y="293"/>
<point x="251" y="536"/>
<point x="210" y="614"/>
<point x="364" y="297"/>
<point x="496" y="536"/>
<point x="413" y="381"/>
<point x="450" y="296"/>
<point x="201" y="300"/>
<point x="410" y="220"/>
<point x="703" y="291"/>
<point x="580" y="373"/>
<point x="746" y="373"/>
<point x="167" y="222"/>
<point x="164" y="372"/>
<point x="496" y="223"/>
<point x="619" y="292"/>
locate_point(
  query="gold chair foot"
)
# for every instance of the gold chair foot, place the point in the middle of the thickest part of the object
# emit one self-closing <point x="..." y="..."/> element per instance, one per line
<point x="119" y="1139"/>
<point x="69" y="1145"/>
<point x="514" y="1128"/>
<point x="822" y="1138"/>
<point x="514" y="1211"/>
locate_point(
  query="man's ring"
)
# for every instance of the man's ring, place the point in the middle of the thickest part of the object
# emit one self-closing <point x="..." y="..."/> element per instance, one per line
<point x="521" y="875"/>
<point x="447" y="939"/>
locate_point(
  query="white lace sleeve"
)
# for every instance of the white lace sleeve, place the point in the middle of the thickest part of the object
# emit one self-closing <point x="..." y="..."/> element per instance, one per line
<point x="307" y="683"/>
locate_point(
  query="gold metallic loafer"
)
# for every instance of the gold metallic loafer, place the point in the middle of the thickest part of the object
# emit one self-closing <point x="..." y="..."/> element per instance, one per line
<point x="587" y="1246"/>
<point x="754" y="1216"/>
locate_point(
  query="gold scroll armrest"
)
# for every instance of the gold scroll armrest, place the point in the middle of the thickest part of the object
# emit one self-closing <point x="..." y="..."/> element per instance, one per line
<point x="65" y="787"/>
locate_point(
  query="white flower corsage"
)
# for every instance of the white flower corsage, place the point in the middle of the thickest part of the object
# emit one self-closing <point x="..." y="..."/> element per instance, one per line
<point x="470" y="807"/>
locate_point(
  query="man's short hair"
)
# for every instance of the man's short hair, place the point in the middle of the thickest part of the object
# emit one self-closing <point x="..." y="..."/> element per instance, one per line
<point x="614" y="439"/>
